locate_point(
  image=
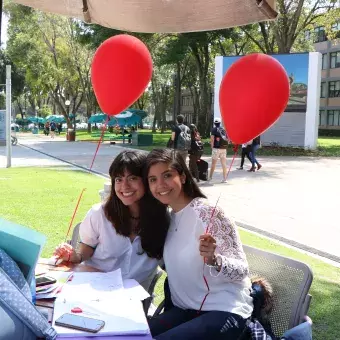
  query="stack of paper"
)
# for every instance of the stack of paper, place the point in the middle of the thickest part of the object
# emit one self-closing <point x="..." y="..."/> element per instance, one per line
<point x="102" y="296"/>
<point x="51" y="291"/>
<point x="93" y="285"/>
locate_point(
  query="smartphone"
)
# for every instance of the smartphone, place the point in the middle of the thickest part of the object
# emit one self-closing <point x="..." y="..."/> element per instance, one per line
<point x="80" y="323"/>
<point x="44" y="280"/>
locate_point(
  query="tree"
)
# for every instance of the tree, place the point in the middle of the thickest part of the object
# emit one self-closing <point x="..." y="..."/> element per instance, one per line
<point x="18" y="78"/>
<point x="295" y="16"/>
<point x="198" y="48"/>
<point x="81" y="57"/>
<point x="39" y="43"/>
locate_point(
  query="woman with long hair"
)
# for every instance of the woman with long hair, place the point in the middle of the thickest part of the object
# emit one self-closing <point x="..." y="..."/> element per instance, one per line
<point x="208" y="273"/>
<point x="120" y="233"/>
<point x="195" y="152"/>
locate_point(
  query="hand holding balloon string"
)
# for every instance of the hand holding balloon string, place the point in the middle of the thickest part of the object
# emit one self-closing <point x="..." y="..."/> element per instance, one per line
<point x="207" y="247"/>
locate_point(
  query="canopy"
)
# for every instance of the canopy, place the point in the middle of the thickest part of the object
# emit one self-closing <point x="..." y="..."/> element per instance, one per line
<point x="56" y="118"/>
<point x="162" y="16"/>
<point x="126" y="118"/>
<point x="97" y="118"/>
<point x="39" y="120"/>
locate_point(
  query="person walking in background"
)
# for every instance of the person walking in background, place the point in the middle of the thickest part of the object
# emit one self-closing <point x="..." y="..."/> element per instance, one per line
<point x="53" y="127"/>
<point x="195" y="152"/>
<point x="254" y="146"/>
<point x="219" y="145"/>
<point x="246" y="148"/>
<point x="181" y="137"/>
<point x="60" y="128"/>
<point x="47" y="128"/>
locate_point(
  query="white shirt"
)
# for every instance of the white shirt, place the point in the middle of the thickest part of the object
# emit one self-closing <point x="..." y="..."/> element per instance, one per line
<point x="229" y="288"/>
<point x="113" y="251"/>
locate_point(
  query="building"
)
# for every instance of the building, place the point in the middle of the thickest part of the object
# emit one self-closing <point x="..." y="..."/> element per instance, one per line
<point x="329" y="118"/>
<point x="187" y="108"/>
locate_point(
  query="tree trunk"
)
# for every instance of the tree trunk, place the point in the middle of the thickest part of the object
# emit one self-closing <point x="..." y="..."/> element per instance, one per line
<point x="154" y="123"/>
<point x="202" y="63"/>
<point x="178" y="90"/>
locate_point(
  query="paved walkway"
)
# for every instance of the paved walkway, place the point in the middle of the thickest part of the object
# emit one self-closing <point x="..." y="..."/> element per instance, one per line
<point x="295" y="198"/>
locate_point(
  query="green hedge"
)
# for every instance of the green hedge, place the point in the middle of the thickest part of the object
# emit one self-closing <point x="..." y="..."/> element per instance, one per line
<point x="329" y="133"/>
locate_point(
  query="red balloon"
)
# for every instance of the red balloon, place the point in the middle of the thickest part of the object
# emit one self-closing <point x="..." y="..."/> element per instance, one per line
<point x="121" y="71"/>
<point x="253" y="94"/>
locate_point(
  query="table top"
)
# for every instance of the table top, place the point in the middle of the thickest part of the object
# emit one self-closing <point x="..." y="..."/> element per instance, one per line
<point x="47" y="305"/>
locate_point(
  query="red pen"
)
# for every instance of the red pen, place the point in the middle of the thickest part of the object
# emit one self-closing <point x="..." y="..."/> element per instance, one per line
<point x="61" y="287"/>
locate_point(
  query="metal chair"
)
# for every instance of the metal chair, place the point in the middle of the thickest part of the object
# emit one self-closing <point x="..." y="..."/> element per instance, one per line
<point x="291" y="281"/>
<point x="75" y="236"/>
<point x="147" y="302"/>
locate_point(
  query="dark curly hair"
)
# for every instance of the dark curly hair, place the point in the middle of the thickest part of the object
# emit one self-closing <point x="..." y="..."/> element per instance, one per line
<point x="154" y="219"/>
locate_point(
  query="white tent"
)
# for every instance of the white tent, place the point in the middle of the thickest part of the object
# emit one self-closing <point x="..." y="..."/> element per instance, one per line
<point x="162" y="16"/>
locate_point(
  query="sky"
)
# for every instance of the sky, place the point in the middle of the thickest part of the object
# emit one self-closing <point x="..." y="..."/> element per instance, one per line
<point x="296" y="64"/>
<point x="4" y="26"/>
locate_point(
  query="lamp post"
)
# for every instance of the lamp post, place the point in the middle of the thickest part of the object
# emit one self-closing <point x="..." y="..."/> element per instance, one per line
<point x="36" y="116"/>
<point x="73" y="138"/>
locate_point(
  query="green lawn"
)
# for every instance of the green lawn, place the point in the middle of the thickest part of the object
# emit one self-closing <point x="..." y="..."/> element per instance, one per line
<point x="44" y="198"/>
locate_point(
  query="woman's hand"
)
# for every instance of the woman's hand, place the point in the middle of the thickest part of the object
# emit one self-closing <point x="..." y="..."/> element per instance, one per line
<point x="64" y="252"/>
<point x="207" y="248"/>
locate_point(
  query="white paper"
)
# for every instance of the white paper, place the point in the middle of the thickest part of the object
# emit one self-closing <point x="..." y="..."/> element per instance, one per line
<point x="93" y="286"/>
<point x="122" y="316"/>
<point x="133" y="290"/>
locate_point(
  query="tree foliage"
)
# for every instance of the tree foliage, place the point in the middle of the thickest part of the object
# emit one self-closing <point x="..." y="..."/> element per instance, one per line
<point x="51" y="58"/>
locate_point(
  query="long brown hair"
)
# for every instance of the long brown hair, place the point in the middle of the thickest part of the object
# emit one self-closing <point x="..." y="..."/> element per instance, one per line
<point x="152" y="212"/>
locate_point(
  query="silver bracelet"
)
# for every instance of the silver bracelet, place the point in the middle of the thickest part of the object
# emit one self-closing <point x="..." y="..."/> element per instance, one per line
<point x="216" y="265"/>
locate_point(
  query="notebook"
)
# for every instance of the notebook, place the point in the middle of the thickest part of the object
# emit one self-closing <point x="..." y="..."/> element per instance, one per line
<point x="22" y="244"/>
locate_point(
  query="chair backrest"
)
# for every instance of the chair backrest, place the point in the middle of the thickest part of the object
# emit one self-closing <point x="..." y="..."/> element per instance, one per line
<point x="290" y="280"/>
<point x="75" y="236"/>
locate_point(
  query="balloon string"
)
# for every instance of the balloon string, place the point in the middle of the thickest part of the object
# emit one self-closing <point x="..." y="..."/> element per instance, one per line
<point x="204" y="277"/>
<point x="232" y="162"/>
<point x="99" y="142"/>
<point x="74" y="214"/>
<point x="82" y="192"/>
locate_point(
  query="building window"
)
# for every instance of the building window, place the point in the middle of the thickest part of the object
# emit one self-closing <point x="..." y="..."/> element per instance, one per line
<point x="322" y="118"/>
<point x="330" y="118"/>
<point x="335" y="59"/>
<point x="334" y="89"/>
<point x="333" y="117"/>
<point x="336" y="27"/>
<point x="307" y="35"/>
<point x="323" y="90"/>
<point x="324" y="61"/>
<point x="186" y="101"/>
<point x="319" y="34"/>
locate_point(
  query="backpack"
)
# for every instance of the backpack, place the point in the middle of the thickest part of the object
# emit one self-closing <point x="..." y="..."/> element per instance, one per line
<point x="184" y="138"/>
<point x="19" y="317"/>
<point x="196" y="145"/>
<point x="222" y="133"/>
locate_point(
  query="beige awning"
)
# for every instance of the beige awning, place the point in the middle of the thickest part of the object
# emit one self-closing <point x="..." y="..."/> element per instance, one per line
<point x="161" y="16"/>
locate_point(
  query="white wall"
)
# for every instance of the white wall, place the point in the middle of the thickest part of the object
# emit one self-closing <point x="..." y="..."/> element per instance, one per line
<point x="313" y="101"/>
<point x="299" y="129"/>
